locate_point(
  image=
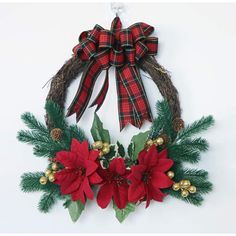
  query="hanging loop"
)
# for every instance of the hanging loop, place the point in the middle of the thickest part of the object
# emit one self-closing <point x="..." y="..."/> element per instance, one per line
<point x="117" y="8"/>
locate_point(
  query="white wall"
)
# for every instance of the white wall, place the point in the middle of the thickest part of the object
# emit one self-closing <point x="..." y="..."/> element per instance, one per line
<point x="198" y="46"/>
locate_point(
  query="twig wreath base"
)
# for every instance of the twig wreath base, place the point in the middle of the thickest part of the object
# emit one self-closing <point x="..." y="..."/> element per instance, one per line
<point x="151" y="168"/>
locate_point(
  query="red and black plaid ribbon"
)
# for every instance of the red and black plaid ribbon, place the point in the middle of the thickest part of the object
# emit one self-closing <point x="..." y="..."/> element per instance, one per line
<point x="121" y="48"/>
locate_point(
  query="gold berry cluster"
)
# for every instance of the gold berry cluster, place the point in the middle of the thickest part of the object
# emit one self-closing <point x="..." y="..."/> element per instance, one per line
<point x="49" y="174"/>
<point x="104" y="148"/>
<point x="158" y="142"/>
<point x="185" y="187"/>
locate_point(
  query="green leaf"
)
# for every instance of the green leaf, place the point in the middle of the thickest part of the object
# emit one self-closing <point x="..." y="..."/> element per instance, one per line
<point x="110" y="154"/>
<point x="75" y="209"/>
<point x="98" y="132"/>
<point x="121" y="215"/>
<point x="139" y="143"/>
<point x="131" y="150"/>
<point x="121" y="149"/>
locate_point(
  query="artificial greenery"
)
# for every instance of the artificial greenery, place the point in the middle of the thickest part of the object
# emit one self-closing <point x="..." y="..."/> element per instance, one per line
<point x="183" y="147"/>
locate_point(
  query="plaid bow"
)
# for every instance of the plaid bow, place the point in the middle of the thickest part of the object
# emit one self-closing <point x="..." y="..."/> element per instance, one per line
<point x="121" y="48"/>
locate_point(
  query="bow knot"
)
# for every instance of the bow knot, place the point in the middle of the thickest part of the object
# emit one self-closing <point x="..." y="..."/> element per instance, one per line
<point x="120" y="48"/>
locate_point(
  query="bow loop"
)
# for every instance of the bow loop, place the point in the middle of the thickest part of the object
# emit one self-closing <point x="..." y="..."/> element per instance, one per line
<point x="126" y="39"/>
<point x="95" y="33"/>
<point x="140" y="50"/>
<point x="106" y="39"/>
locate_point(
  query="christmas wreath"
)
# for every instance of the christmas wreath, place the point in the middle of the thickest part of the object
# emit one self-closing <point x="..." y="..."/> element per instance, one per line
<point x="151" y="168"/>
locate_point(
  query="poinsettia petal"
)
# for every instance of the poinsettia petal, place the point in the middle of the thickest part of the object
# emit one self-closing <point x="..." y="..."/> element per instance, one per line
<point x="66" y="158"/>
<point x="163" y="165"/>
<point x="150" y="159"/>
<point x="77" y="146"/>
<point x="163" y="154"/>
<point x="94" y="178"/>
<point x="161" y="180"/>
<point x="148" y="195"/>
<point x="117" y="166"/>
<point x="141" y="156"/>
<point x="69" y="187"/>
<point x="157" y="194"/>
<point x="137" y="172"/>
<point x="87" y="189"/>
<point x="136" y="192"/>
<point x="120" y="195"/>
<point x="79" y="195"/>
<point x="104" y="195"/>
<point x="93" y="155"/>
<point x="91" y="167"/>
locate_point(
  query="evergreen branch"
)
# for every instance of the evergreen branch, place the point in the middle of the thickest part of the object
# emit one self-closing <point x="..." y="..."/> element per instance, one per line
<point x="198" y="144"/>
<point x="183" y="153"/>
<point x="32" y="138"/>
<point x="32" y="123"/>
<point x="30" y="183"/>
<point x="195" y="199"/>
<point x="196" y="127"/>
<point x="163" y="122"/>
<point x="56" y="115"/>
<point x="47" y="201"/>
<point x="48" y="150"/>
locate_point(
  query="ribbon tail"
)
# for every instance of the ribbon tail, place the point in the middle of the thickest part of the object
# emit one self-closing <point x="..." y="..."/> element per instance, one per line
<point x="102" y="94"/>
<point x="139" y="109"/>
<point x="84" y="92"/>
<point x="125" y="107"/>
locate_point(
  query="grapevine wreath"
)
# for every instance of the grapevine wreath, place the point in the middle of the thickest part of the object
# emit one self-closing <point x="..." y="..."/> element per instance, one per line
<point x="153" y="165"/>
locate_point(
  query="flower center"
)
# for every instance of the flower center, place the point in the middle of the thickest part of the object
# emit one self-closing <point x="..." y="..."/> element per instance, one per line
<point x="146" y="177"/>
<point x="80" y="171"/>
<point x="119" y="180"/>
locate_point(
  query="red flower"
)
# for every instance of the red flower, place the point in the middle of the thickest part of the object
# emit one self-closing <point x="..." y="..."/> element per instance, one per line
<point x="79" y="172"/>
<point x="148" y="177"/>
<point x="114" y="184"/>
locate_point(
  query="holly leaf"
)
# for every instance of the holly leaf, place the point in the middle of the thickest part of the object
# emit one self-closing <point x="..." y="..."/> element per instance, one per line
<point x="98" y="132"/>
<point x="131" y="150"/>
<point x="121" y="149"/>
<point x="121" y="214"/>
<point x="110" y="154"/>
<point x="75" y="209"/>
<point x="139" y="143"/>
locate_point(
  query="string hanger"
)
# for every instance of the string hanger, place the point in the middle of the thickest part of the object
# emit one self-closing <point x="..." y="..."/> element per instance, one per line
<point x="117" y="8"/>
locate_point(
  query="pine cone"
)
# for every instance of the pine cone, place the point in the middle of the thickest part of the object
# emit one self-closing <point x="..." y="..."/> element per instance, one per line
<point x="56" y="134"/>
<point x="178" y="124"/>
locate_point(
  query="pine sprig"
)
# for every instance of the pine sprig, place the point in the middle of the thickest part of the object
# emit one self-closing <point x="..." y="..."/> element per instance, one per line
<point x="197" y="144"/>
<point x="30" y="183"/>
<point x="56" y="115"/>
<point x="163" y="122"/>
<point x="32" y="138"/>
<point x="32" y="123"/>
<point x="196" y="127"/>
<point x="47" y="201"/>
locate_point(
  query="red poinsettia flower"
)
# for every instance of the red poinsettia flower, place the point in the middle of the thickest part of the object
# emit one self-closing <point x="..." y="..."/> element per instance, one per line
<point x="114" y="184"/>
<point x="80" y="171"/>
<point x="148" y="177"/>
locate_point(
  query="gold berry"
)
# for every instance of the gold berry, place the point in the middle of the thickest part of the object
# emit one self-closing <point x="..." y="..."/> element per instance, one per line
<point x="43" y="180"/>
<point x="159" y="141"/>
<point x="56" y="134"/>
<point x="51" y="178"/>
<point x="48" y="172"/>
<point x="185" y="184"/>
<point x="97" y="145"/>
<point x="176" y="186"/>
<point x="55" y="166"/>
<point x="192" y="189"/>
<point x="184" y="193"/>
<point x="106" y="145"/>
<point x="170" y="174"/>
<point x="105" y="150"/>
<point x="149" y="143"/>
